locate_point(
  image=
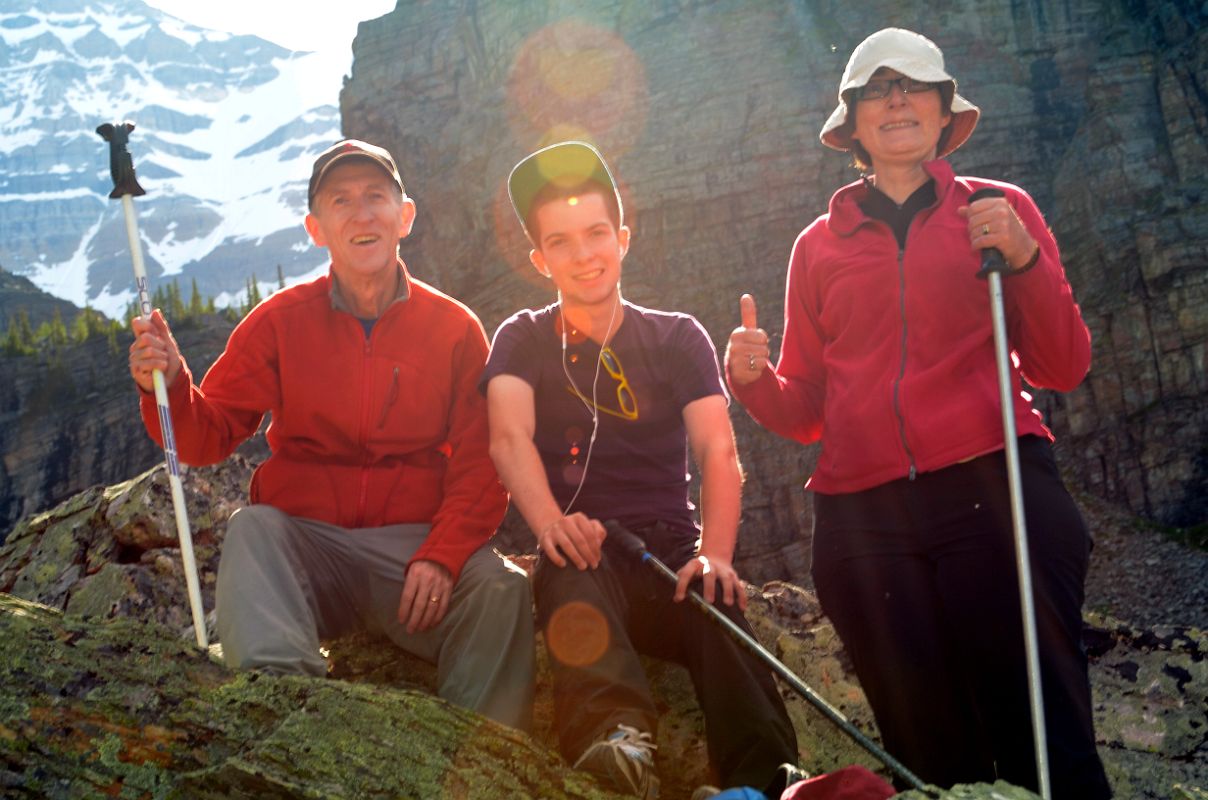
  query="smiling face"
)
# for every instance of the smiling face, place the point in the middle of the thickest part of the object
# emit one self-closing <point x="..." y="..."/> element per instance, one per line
<point x="359" y="215"/>
<point x="580" y="249"/>
<point x="900" y="129"/>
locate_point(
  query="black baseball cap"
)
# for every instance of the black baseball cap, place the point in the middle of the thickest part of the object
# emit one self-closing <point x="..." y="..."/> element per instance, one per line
<point x="346" y="149"/>
<point x="564" y="163"/>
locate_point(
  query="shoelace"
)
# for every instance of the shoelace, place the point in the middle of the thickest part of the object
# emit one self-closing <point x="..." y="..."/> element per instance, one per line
<point x="627" y="735"/>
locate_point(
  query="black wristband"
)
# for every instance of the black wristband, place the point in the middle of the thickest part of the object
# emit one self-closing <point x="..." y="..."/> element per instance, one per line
<point x="1031" y="261"/>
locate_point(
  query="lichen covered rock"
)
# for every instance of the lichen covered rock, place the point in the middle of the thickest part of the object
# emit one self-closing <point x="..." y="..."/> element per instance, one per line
<point x="128" y="709"/>
<point x="113" y="699"/>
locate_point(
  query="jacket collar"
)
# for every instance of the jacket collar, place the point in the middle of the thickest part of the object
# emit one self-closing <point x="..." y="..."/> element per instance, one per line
<point x="844" y="212"/>
<point x="337" y="299"/>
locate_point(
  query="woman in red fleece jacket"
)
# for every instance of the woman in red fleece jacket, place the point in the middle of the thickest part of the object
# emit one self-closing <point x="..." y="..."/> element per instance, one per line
<point x="888" y="360"/>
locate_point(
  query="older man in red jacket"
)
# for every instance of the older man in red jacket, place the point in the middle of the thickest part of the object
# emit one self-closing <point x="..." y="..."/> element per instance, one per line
<point x="375" y="507"/>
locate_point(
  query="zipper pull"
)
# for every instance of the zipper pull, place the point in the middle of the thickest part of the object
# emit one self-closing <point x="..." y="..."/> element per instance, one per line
<point x="391" y="397"/>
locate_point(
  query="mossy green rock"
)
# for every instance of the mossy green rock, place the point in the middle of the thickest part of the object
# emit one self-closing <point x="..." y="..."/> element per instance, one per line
<point x="93" y="703"/>
<point x="127" y="709"/>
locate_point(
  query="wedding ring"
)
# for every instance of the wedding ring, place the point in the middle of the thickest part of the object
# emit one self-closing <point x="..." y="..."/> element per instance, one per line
<point x="985" y="230"/>
<point x="751" y="362"/>
<point x="434" y="599"/>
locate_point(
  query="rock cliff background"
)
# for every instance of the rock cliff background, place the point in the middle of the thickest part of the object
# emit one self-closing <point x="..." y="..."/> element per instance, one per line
<point x="69" y="414"/>
<point x="710" y="113"/>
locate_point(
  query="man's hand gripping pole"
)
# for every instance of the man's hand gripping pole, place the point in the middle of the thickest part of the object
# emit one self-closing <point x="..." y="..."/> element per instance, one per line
<point x="125" y="186"/>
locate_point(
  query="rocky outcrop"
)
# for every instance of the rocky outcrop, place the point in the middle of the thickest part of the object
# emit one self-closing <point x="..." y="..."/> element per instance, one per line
<point x="710" y="112"/>
<point x="112" y="695"/>
<point x="125" y="709"/>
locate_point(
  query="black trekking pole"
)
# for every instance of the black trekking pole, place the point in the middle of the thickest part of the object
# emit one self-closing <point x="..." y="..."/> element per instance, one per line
<point x="125" y="186"/>
<point x="632" y="546"/>
<point x="992" y="268"/>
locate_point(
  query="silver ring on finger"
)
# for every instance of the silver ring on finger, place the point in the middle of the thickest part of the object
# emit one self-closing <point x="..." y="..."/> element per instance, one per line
<point x="985" y="230"/>
<point x="751" y="362"/>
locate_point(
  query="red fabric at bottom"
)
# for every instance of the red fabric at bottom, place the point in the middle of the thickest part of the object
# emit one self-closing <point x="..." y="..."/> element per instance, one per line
<point x="849" y="783"/>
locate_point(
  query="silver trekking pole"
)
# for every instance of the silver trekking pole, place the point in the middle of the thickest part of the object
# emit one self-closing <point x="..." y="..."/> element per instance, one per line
<point x="993" y="265"/>
<point x="125" y="186"/>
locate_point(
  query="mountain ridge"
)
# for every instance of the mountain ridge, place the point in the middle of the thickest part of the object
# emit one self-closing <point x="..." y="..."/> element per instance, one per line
<point x="222" y="121"/>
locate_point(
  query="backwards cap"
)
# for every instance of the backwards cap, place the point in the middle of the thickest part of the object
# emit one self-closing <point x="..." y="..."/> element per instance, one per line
<point x="564" y="164"/>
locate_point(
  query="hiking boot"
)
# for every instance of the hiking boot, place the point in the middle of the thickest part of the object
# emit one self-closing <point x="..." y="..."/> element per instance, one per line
<point x="786" y="776"/>
<point x="623" y="761"/>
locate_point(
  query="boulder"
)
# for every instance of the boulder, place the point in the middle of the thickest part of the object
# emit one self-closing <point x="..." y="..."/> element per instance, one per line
<point x="103" y="692"/>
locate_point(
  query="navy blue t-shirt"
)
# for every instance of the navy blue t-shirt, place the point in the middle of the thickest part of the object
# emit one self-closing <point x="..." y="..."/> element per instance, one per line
<point x="656" y="363"/>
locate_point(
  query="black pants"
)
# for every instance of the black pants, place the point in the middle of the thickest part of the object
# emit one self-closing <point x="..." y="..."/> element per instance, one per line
<point x="597" y="621"/>
<point x="919" y="579"/>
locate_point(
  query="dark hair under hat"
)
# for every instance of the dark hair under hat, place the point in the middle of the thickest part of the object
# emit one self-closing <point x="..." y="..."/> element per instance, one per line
<point x="346" y="149"/>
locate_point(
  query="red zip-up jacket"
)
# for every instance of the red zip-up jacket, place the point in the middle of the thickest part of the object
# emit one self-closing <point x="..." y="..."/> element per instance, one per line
<point x="888" y="354"/>
<point x="365" y="431"/>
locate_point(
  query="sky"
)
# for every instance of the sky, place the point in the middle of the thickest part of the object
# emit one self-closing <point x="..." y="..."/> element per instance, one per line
<point x="280" y="21"/>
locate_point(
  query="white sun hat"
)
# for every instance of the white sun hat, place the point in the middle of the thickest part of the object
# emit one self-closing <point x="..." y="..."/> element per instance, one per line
<point x="913" y="55"/>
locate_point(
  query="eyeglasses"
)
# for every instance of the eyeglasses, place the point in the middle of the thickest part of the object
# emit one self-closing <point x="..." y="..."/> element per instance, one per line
<point x="627" y="403"/>
<point x="880" y="88"/>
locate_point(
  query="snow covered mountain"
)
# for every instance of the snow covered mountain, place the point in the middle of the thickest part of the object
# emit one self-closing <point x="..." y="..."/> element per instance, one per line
<point x="226" y="129"/>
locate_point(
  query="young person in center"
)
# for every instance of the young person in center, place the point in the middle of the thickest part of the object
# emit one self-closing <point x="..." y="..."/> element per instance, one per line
<point x="594" y="404"/>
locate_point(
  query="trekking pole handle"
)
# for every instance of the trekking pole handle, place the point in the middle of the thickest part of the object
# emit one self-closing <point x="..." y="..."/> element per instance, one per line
<point x="992" y="258"/>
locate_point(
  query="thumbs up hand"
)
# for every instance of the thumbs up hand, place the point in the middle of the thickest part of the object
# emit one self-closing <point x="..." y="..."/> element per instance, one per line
<point x="747" y="352"/>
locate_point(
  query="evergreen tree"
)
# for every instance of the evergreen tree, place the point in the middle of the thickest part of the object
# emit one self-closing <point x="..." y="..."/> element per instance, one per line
<point x="253" y="297"/>
<point x="13" y="346"/>
<point x="56" y="331"/>
<point x="176" y="306"/>
<point x="79" y="326"/>
<point x="280" y="278"/>
<point x="87" y="324"/>
<point x="25" y="331"/>
<point x="196" y="305"/>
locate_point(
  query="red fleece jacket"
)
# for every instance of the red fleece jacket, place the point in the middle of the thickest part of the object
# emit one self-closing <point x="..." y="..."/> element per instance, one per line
<point x="888" y="355"/>
<point x="365" y="431"/>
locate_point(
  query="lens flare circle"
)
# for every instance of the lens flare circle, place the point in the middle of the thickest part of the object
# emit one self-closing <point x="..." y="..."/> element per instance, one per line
<point x="577" y="634"/>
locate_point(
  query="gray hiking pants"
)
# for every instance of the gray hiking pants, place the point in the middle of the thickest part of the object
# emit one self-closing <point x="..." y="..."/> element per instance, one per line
<point x="285" y="583"/>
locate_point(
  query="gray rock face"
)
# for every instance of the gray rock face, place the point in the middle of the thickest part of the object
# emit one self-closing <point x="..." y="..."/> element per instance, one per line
<point x="710" y="113"/>
<point x="70" y="419"/>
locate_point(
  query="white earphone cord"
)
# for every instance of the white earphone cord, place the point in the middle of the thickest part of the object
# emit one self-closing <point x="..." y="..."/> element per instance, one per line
<point x="592" y="409"/>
